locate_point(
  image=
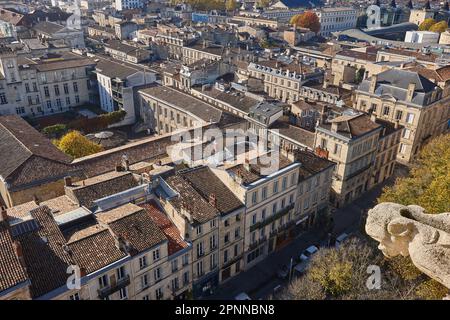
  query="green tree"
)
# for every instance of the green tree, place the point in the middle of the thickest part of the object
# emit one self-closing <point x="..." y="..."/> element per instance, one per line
<point x="231" y="5"/>
<point x="76" y="145"/>
<point x="439" y="27"/>
<point x="428" y="184"/>
<point x="262" y="3"/>
<point x="426" y="24"/>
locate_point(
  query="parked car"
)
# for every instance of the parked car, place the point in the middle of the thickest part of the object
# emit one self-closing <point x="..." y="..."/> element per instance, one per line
<point x="301" y="267"/>
<point x="242" y="296"/>
<point x="283" y="272"/>
<point x="306" y="255"/>
<point x="340" y="239"/>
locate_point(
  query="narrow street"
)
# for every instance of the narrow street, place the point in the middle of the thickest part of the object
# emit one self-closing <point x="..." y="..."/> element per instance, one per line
<point x="260" y="281"/>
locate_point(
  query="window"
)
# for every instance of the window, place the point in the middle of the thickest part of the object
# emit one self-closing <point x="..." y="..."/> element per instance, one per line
<point x="213" y="223"/>
<point x="212" y="242"/>
<point x="156" y="255"/>
<point x="68" y="101"/>
<point x="199" y="268"/>
<point x="77" y="99"/>
<point x="3" y="99"/>
<point x="49" y="104"/>
<point x="323" y="143"/>
<point x="56" y="87"/>
<point x="263" y="214"/>
<point x="58" y="103"/>
<point x="123" y="294"/>
<point x="275" y="187"/>
<point x="236" y="232"/>
<point x="75" y="87"/>
<point x="337" y="149"/>
<point x="103" y="281"/>
<point x="254" y="197"/>
<point x="264" y="193"/>
<point x="227" y="237"/>
<point x="284" y="183"/>
<point x="398" y="115"/>
<point x="200" y="251"/>
<point x="225" y="256"/>
<point x="291" y="198"/>
<point x="20" y="110"/>
<point x="157" y="274"/>
<point x="30" y="100"/>
<point x="175" y="283"/>
<point x="254" y="219"/>
<point x="410" y="118"/>
<point x="75" y="296"/>
<point x="66" y="88"/>
<point x="174" y="264"/>
<point x="199" y="229"/>
<point x="142" y="262"/>
<point x="185" y="259"/>
<point x="386" y="111"/>
<point x="374" y="107"/>
<point x="402" y="148"/>
<point x="27" y="87"/>
<point x="144" y="281"/>
<point x="406" y="133"/>
<point x="146" y="297"/>
<point x="294" y="179"/>
<point x="46" y="91"/>
<point x="185" y="278"/>
<point x="274" y="208"/>
<point x="121" y="272"/>
<point x="158" y="294"/>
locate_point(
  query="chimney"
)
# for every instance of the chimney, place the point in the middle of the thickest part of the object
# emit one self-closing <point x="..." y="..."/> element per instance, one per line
<point x="334" y="127"/>
<point x="410" y="93"/>
<point x="126" y="164"/>
<point x="213" y="200"/>
<point x="119" y="168"/>
<point x="373" y="117"/>
<point x="4" y="215"/>
<point x="36" y="199"/>
<point x="68" y="181"/>
<point x="19" y="252"/>
<point x="373" y="83"/>
<point x="247" y="164"/>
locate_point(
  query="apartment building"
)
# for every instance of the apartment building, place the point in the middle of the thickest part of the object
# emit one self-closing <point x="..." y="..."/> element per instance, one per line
<point x="121" y="250"/>
<point x="126" y="53"/>
<point x="313" y="189"/>
<point x="281" y="80"/>
<point x="420" y="106"/>
<point x="197" y="219"/>
<point x="198" y="51"/>
<point x="117" y="83"/>
<point x="165" y="110"/>
<point x="50" y="84"/>
<point x="128" y="4"/>
<point x="351" y="141"/>
<point x="335" y="19"/>
<point x="269" y="199"/>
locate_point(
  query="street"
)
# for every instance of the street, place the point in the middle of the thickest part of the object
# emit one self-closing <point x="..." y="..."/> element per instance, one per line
<point x="260" y="281"/>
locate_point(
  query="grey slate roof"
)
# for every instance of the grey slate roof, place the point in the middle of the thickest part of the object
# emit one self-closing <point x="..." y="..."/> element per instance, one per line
<point x="395" y="83"/>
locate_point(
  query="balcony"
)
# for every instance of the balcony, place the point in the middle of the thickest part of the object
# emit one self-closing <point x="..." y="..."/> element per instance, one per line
<point x="272" y="218"/>
<point x="110" y="289"/>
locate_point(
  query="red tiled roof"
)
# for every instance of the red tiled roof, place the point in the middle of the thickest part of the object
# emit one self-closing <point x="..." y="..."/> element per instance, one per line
<point x="176" y="242"/>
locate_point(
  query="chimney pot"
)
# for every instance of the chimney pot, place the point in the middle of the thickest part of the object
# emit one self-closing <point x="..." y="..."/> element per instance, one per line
<point x="68" y="181"/>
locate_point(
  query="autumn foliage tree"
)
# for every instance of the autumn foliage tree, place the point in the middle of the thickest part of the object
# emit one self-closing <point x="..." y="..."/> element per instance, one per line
<point x="308" y="20"/>
<point x="428" y="184"/>
<point x="76" y="145"/>
<point x="426" y="24"/>
<point x="439" y="27"/>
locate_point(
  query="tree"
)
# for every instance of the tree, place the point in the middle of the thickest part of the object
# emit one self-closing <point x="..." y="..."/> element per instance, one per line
<point x="308" y="20"/>
<point x="343" y="274"/>
<point x="428" y="184"/>
<point x="439" y="27"/>
<point x="231" y="5"/>
<point x="76" y="145"/>
<point x="359" y="76"/>
<point x="262" y="3"/>
<point x="426" y="24"/>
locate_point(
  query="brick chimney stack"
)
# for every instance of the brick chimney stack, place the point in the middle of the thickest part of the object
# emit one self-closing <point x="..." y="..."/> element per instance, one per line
<point x="213" y="200"/>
